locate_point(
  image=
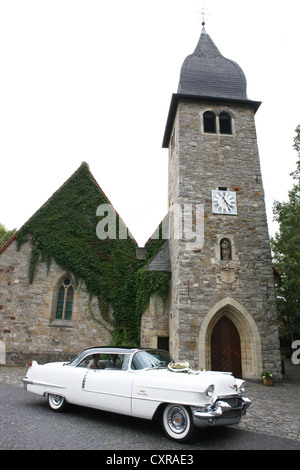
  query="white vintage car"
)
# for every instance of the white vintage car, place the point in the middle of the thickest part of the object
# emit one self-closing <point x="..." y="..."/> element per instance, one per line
<point x="144" y="383"/>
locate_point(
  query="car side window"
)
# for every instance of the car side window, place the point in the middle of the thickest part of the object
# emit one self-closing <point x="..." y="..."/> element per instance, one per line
<point x="85" y="362"/>
<point x="106" y="361"/>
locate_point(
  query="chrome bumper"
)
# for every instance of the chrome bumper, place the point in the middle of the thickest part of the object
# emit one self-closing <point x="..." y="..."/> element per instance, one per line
<point x="26" y="382"/>
<point x="221" y="413"/>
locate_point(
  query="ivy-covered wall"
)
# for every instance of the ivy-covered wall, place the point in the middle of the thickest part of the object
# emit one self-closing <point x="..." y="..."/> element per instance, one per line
<point x="64" y="230"/>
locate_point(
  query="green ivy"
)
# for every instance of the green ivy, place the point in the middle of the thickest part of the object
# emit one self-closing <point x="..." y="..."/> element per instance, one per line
<point x="64" y="229"/>
<point x="148" y="284"/>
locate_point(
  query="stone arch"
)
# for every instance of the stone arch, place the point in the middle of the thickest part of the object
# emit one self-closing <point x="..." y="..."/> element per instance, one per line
<point x="251" y="353"/>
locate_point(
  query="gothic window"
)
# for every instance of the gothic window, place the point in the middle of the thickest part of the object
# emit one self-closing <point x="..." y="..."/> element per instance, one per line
<point x="225" y="124"/>
<point x="64" y="301"/>
<point x="209" y="122"/>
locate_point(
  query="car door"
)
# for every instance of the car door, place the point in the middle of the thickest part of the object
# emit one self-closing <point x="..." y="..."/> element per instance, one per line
<point x="109" y="387"/>
<point x="109" y="390"/>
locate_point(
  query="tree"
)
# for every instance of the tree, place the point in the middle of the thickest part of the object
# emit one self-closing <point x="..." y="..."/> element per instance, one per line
<point x="5" y="234"/>
<point x="286" y="255"/>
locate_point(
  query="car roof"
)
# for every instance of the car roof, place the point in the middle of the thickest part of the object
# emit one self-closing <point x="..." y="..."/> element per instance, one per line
<point x="110" y="349"/>
<point x="115" y="350"/>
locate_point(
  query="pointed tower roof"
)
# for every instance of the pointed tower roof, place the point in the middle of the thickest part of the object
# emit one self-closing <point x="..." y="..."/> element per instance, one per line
<point x="207" y="75"/>
<point x="207" y="72"/>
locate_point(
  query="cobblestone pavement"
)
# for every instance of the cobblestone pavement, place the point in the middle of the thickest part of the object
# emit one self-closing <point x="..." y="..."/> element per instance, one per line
<point x="275" y="410"/>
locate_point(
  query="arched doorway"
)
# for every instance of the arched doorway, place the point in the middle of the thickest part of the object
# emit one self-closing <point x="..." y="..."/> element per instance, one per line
<point x="226" y="347"/>
<point x="250" y="342"/>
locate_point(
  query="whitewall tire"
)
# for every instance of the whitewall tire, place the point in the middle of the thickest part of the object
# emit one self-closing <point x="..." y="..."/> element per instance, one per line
<point x="177" y="423"/>
<point x="56" y="402"/>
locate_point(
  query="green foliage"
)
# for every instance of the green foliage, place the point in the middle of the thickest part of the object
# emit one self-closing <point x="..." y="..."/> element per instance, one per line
<point x="286" y="253"/>
<point x="64" y="229"/>
<point x="5" y="234"/>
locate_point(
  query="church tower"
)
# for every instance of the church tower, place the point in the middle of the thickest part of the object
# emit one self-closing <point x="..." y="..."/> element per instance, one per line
<point x="222" y="307"/>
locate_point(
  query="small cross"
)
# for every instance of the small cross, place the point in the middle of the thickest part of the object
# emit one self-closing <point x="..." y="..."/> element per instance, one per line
<point x="204" y="13"/>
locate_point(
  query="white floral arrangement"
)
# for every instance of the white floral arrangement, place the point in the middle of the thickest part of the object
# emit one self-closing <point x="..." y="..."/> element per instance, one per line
<point x="179" y="367"/>
<point x="183" y="367"/>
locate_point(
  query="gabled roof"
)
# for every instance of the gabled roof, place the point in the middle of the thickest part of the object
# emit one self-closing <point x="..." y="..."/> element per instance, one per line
<point x="8" y="242"/>
<point x="72" y="206"/>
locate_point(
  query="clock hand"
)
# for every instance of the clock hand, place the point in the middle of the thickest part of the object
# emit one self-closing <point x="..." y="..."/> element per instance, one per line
<point x="228" y="205"/>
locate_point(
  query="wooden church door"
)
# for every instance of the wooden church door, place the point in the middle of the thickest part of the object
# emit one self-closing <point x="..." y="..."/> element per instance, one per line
<point x="226" y="348"/>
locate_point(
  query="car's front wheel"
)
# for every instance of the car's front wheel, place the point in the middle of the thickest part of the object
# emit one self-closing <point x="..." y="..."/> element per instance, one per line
<point x="56" y="402"/>
<point x="177" y="423"/>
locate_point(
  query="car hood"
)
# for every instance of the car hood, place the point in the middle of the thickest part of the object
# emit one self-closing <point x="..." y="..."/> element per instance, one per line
<point x="224" y="382"/>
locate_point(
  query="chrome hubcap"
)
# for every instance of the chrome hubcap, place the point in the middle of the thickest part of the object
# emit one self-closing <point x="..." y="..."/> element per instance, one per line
<point x="56" y="399"/>
<point x="177" y="420"/>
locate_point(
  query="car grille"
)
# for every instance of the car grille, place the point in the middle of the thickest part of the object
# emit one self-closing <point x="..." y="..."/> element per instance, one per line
<point x="233" y="401"/>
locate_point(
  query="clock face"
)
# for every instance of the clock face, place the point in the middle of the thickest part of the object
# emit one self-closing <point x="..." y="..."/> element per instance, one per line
<point x="224" y="202"/>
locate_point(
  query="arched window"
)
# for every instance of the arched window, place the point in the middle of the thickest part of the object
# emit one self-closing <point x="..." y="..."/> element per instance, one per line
<point x="225" y="123"/>
<point x="64" y="301"/>
<point x="209" y="122"/>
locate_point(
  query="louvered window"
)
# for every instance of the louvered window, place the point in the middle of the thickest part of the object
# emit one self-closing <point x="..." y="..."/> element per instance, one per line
<point x="209" y="122"/>
<point x="225" y="124"/>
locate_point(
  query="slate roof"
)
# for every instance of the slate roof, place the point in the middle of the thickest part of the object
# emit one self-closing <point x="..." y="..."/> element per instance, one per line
<point x="207" y="73"/>
<point x="161" y="261"/>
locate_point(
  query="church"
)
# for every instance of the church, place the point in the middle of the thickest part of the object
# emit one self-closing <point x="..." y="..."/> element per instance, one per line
<point x="202" y="287"/>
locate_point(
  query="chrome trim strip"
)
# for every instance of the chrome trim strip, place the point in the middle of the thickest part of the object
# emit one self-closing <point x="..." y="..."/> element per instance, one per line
<point x="42" y="384"/>
<point x="171" y="389"/>
<point x="110" y="394"/>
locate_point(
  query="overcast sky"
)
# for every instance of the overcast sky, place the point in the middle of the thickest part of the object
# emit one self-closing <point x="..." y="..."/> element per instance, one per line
<point x="91" y="80"/>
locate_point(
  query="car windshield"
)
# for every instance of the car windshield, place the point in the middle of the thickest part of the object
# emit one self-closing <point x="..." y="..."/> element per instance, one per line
<point x="151" y="359"/>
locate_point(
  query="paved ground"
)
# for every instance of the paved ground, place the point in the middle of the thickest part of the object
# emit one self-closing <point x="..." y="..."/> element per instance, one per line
<point x="275" y="410"/>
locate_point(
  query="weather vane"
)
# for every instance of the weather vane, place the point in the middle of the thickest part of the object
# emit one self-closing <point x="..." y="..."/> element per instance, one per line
<point x="203" y="13"/>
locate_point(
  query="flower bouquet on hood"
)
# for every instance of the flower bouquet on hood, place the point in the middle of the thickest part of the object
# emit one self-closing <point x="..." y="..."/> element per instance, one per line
<point x="180" y="367"/>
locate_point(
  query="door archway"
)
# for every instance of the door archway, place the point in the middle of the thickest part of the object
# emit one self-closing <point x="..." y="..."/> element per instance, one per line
<point x="226" y="347"/>
<point x="251" y="350"/>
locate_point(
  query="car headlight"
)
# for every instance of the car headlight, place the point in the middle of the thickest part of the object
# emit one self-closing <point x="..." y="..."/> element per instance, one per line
<point x="209" y="391"/>
<point x="242" y="388"/>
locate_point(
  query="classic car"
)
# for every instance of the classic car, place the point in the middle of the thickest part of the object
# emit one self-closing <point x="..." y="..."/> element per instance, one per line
<point x="144" y="383"/>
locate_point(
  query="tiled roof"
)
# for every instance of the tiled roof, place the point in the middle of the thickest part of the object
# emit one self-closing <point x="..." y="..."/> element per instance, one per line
<point x="207" y="73"/>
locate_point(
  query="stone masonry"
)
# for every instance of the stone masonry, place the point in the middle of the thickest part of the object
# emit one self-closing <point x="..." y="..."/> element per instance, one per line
<point x="28" y="329"/>
<point x="204" y="287"/>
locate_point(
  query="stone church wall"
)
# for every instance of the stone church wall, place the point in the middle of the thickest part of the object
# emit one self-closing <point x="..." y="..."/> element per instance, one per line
<point x="28" y="329"/>
<point x="155" y="322"/>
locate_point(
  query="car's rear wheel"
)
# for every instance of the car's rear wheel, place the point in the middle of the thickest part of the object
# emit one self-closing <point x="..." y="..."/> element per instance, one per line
<point x="177" y="423"/>
<point x="56" y="402"/>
